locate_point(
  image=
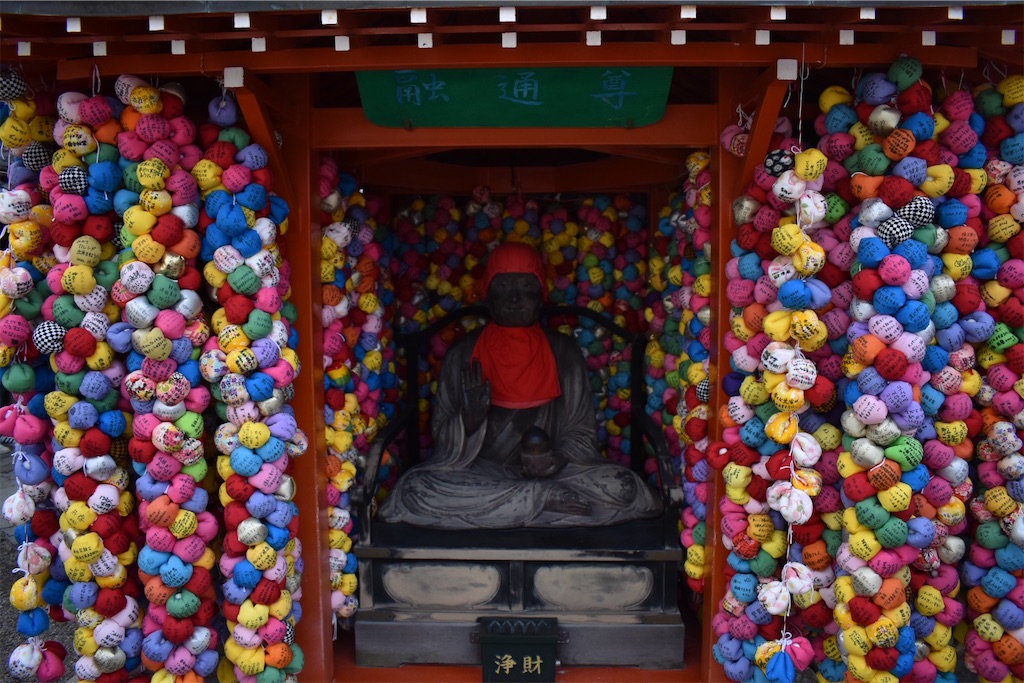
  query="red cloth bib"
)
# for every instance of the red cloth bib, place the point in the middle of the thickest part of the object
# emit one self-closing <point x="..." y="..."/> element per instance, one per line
<point x="519" y="364"/>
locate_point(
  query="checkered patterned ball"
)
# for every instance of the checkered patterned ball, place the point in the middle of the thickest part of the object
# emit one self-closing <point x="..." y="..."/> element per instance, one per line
<point x="36" y="156"/>
<point x="49" y="337"/>
<point x="895" y="231"/>
<point x="704" y="390"/>
<point x="918" y="211"/>
<point x="12" y="85"/>
<point x="74" y="180"/>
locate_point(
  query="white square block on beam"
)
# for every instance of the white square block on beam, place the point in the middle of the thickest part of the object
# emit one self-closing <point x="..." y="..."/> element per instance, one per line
<point x="234" y="76"/>
<point x="787" y="69"/>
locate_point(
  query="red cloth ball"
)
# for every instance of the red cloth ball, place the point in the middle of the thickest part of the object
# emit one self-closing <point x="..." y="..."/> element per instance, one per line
<point x="109" y="602"/>
<point x="221" y="153"/>
<point x="863" y="611"/>
<point x="141" y="450"/>
<point x="235" y="513"/>
<point x="238" y="488"/>
<point x="891" y="364"/>
<point x="94" y="443"/>
<point x="107" y="525"/>
<point x="79" y="342"/>
<point x="966" y="300"/>
<point x="169" y="230"/>
<point x="177" y="630"/>
<point x="857" y="487"/>
<point x="64" y="234"/>
<point x="266" y="592"/>
<point x="237" y="309"/>
<point x="881" y="658"/>
<point x="928" y="150"/>
<point x="201" y="581"/>
<point x="100" y="226"/>
<point x="866" y="283"/>
<point x="80" y="487"/>
<point x="895" y="191"/>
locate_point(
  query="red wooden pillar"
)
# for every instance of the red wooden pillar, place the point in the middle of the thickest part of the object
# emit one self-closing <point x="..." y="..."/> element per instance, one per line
<point x="299" y="162"/>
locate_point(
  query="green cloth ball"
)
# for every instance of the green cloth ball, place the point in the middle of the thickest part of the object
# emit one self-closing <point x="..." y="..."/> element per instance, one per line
<point x="19" y="378"/>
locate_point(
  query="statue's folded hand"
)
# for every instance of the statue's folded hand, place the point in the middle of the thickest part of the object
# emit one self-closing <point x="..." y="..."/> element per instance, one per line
<point x="476" y="396"/>
<point x="539" y="465"/>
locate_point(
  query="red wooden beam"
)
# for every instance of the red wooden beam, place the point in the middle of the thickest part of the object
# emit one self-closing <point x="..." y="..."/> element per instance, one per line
<point x="606" y="175"/>
<point x="313" y="60"/>
<point x="765" y="116"/>
<point x="262" y="131"/>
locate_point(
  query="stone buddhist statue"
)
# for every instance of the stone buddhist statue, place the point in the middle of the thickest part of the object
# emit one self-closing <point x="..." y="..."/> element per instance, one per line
<point x="515" y="441"/>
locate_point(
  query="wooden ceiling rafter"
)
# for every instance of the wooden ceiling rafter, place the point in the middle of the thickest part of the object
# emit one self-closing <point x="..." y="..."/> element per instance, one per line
<point x="643" y="24"/>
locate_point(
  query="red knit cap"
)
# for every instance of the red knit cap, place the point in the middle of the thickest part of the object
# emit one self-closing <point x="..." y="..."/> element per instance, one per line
<point x="514" y="257"/>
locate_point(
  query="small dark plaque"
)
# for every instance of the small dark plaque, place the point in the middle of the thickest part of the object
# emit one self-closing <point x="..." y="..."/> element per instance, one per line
<point x="518" y="650"/>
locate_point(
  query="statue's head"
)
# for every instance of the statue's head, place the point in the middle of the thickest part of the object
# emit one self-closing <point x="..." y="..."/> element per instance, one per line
<point x="514" y="284"/>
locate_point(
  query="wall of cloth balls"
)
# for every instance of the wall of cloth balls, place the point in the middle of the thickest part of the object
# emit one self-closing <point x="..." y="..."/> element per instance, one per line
<point x="679" y="313"/>
<point x="360" y="380"/>
<point x="871" y="453"/>
<point x="146" y="333"/>
<point x="595" y="250"/>
<point x="385" y="273"/>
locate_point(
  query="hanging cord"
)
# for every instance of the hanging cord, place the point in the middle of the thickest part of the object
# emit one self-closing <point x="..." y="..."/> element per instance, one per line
<point x="743" y="120"/>
<point x="10" y="160"/>
<point x="95" y="79"/>
<point x="805" y="73"/>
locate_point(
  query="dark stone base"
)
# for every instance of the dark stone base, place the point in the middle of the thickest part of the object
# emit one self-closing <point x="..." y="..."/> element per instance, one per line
<point x="386" y="642"/>
<point x="612" y="590"/>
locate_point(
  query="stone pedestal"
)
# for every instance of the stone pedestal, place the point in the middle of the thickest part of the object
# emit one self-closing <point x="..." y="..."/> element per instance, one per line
<point x="612" y="590"/>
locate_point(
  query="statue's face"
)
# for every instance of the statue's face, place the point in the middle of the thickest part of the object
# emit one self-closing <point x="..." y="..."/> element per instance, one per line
<point x="514" y="299"/>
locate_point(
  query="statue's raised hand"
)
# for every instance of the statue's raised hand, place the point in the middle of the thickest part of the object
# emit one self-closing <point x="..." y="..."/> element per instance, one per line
<point x="476" y="396"/>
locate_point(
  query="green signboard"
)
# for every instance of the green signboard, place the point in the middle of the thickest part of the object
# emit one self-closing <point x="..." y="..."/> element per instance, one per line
<point x="527" y="97"/>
